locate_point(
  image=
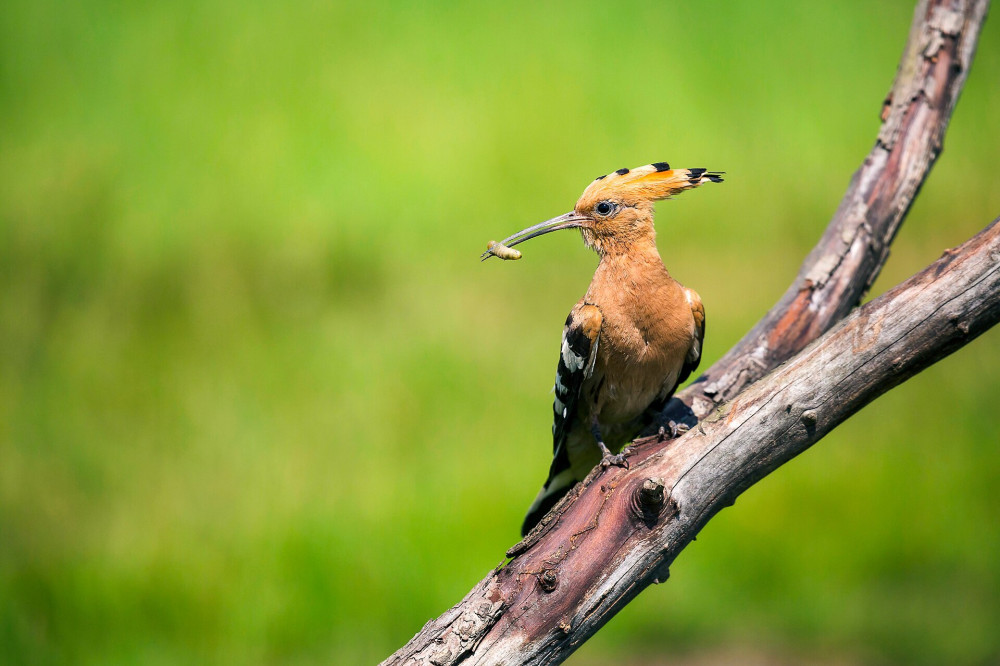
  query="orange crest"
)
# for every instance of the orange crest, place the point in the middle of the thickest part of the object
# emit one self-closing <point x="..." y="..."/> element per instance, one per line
<point x="644" y="184"/>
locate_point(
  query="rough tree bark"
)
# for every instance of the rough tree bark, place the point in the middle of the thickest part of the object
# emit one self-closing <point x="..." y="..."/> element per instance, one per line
<point x="623" y="528"/>
<point x="842" y="267"/>
<point x="619" y="530"/>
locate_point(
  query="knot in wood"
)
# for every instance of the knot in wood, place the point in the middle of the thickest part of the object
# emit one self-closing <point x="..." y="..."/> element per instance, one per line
<point x="651" y="494"/>
<point x="809" y="417"/>
<point x="648" y="500"/>
<point x="548" y="581"/>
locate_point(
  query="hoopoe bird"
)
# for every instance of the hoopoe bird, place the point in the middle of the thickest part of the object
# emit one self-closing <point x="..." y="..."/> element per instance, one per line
<point x="631" y="340"/>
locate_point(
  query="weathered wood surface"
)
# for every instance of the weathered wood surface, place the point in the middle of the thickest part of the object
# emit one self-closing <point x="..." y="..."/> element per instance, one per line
<point x="627" y="526"/>
<point x="620" y="530"/>
<point x="835" y="276"/>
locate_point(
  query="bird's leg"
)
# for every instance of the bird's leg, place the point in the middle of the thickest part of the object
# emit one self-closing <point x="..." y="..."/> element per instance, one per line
<point x="607" y="458"/>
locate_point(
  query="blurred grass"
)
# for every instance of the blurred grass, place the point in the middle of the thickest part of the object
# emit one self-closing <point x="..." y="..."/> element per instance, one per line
<point x="251" y="400"/>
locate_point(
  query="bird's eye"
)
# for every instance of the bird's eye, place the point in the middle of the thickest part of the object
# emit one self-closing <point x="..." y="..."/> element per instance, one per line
<point x="604" y="208"/>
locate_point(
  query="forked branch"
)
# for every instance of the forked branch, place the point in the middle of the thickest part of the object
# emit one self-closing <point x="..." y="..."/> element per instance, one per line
<point x="619" y="530"/>
<point x="623" y="528"/>
<point x="842" y="267"/>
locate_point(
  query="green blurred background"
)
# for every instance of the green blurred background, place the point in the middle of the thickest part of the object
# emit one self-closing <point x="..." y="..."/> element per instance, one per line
<point x="260" y="402"/>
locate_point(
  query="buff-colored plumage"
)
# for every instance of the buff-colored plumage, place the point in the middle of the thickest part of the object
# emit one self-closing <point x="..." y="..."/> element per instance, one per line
<point x="634" y="336"/>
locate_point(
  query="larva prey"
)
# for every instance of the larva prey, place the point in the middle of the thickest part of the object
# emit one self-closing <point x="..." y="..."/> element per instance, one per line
<point x="502" y="251"/>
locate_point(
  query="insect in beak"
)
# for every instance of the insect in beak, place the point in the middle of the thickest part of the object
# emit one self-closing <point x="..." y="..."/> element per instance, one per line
<point x="570" y="220"/>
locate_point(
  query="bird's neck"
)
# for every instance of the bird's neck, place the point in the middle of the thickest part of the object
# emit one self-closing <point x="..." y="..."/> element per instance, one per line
<point x="633" y="272"/>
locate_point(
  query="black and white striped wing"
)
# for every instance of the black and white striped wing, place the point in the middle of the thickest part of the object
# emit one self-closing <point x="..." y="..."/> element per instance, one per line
<point x="580" y="339"/>
<point x="577" y="355"/>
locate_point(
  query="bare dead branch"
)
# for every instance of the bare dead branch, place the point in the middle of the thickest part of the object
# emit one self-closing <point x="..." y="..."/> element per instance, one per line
<point x="625" y="527"/>
<point x="842" y="267"/>
<point x="619" y="530"/>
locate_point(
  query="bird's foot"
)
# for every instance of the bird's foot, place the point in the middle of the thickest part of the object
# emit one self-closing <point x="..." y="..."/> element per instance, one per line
<point x="672" y="430"/>
<point x="618" y="460"/>
<point x="608" y="459"/>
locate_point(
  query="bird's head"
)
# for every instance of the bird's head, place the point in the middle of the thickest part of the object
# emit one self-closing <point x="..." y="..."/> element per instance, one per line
<point x="616" y="210"/>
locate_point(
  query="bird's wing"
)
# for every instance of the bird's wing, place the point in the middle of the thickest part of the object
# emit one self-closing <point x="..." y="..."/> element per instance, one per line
<point x="577" y="355"/>
<point x="693" y="357"/>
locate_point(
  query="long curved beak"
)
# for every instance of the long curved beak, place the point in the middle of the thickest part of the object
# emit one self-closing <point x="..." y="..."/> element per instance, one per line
<point x="569" y="220"/>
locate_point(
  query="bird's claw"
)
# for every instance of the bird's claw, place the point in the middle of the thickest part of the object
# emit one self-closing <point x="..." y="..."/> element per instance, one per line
<point x="672" y="430"/>
<point x="618" y="460"/>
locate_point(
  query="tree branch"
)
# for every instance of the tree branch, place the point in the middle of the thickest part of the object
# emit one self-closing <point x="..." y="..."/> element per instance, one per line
<point x="844" y="264"/>
<point x="619" y="530"/>
<point x="627" y="526"/>
<point x="623" y="528"/>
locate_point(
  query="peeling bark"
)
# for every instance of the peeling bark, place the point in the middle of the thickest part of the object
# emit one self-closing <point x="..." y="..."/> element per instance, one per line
<point x="620" y="530"/>
<point x="840" y="270"/>
<point x="610" y="543"/>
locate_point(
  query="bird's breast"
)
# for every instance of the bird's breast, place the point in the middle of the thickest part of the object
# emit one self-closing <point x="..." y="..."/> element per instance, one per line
<point x="641" y="354"/>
